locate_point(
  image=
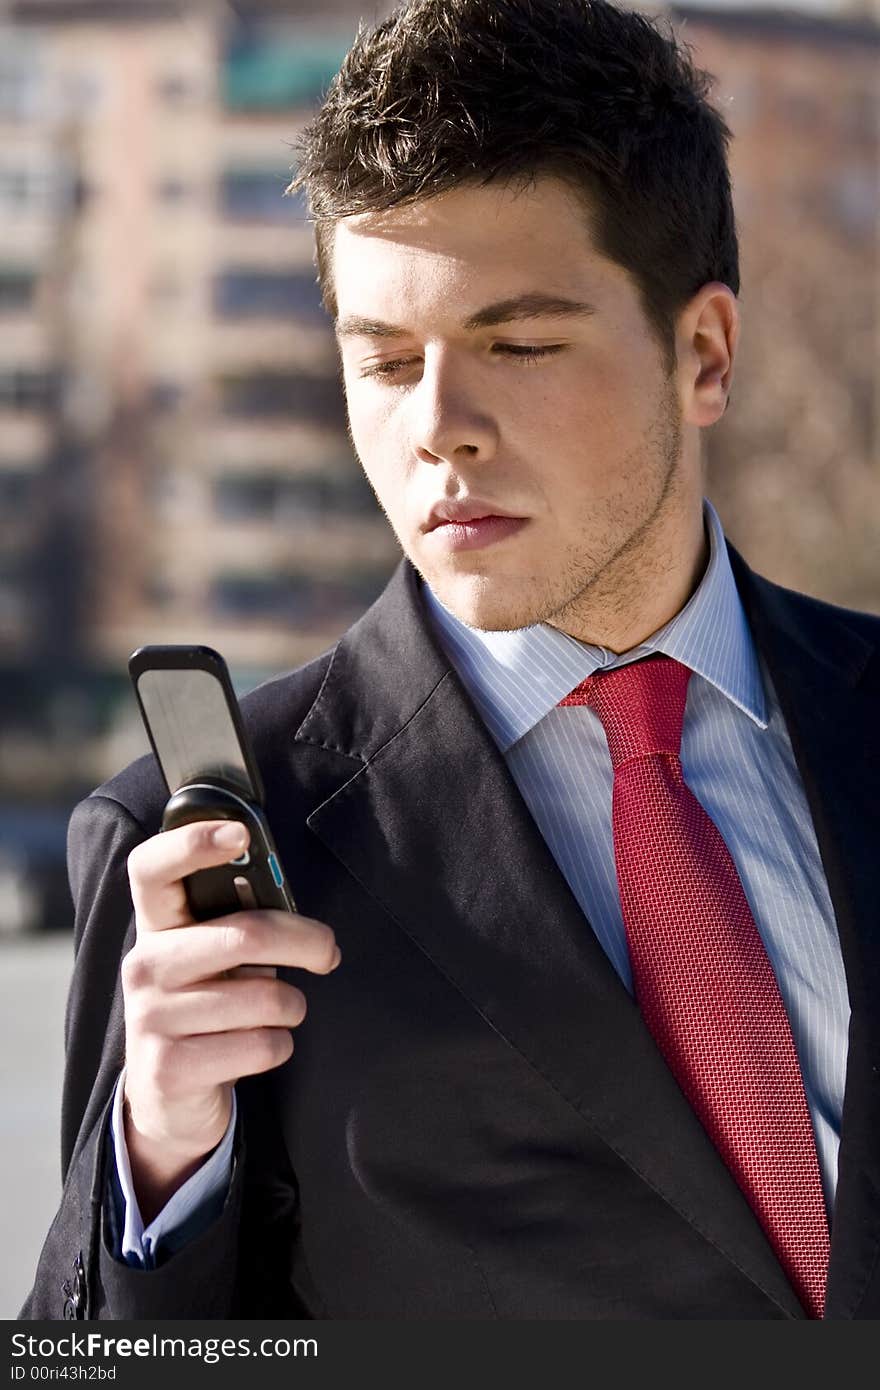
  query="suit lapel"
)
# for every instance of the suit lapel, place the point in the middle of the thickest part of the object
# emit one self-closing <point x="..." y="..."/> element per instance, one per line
<point x="435" y="829"/>
<point x="828" y="682"/>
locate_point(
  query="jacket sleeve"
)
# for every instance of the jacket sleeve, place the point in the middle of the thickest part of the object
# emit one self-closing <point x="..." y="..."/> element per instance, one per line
<point x="77" y="1276"/>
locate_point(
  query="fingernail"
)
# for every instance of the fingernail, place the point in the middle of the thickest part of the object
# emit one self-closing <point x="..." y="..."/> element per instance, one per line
<point x="230" y="836"/>
<point x="336" y="959"/>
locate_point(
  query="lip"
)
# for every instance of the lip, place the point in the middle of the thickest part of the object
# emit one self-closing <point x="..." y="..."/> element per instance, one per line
<point x="475" y="533"/>
<point x="469" y="509"/>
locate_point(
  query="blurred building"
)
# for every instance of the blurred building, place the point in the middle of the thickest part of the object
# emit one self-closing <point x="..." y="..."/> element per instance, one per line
<point x="794" y="466"/>
<point x="174" y="464"/>
<point x="174" y="455"/>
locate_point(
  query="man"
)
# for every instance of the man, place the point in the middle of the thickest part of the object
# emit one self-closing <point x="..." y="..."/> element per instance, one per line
<point x="578" y="816"/>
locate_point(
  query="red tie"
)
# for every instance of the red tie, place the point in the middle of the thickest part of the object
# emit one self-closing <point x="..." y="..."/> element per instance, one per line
<point x="701" y="975"/>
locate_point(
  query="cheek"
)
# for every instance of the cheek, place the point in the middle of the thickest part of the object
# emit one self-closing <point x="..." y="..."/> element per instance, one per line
<point x="575" y="405"/>
<point x="377" y="443"/>
<point x="370" y="420"/>
<point x="595" y="416"/>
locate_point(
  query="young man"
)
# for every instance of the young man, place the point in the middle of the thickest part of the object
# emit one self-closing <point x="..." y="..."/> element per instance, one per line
<point x="578" y="816"/>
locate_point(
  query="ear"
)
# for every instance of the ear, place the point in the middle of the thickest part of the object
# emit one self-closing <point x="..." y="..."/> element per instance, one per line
<point x="706" y="337"/>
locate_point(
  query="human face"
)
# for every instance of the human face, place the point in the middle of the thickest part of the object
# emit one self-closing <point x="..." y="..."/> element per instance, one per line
<point x="497" y="367"/>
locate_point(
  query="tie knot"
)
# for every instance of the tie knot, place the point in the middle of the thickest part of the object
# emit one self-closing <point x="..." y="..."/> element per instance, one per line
<point x="641" y="706"/>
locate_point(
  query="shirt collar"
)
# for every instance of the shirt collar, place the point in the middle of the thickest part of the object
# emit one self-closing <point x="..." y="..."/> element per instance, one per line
<point x="515" y="678"/>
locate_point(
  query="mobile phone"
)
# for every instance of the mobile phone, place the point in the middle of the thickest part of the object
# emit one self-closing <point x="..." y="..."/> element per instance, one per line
<point x="195" y="727"/>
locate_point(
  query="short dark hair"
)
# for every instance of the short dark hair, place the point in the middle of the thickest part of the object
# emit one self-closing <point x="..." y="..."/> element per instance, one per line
<point x="449" y="92"/>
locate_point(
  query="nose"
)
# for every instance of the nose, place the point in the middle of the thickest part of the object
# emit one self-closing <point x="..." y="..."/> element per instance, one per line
<point x="447" y="423"/>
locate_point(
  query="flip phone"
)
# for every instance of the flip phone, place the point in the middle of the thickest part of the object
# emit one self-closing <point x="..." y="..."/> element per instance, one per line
<point x="194" y="724"/>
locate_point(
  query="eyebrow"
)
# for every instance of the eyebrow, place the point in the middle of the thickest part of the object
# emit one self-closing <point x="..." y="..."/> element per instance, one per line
<point x="533" y="305"/>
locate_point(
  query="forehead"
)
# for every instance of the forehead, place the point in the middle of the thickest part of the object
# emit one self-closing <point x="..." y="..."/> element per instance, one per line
<point x="467" y="241"/>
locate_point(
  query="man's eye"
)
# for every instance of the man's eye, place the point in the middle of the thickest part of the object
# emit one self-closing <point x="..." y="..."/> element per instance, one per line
<point x="520" y="351"/>
<point x="529" y="354"/>
<point x="385" y="368"/>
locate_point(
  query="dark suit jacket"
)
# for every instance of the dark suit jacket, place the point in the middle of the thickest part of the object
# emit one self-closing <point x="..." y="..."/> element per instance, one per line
<point x="475" y="1122"/>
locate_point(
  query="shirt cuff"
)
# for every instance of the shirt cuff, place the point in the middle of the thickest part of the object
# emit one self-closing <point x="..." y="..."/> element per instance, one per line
<point x="191" y="1208"/>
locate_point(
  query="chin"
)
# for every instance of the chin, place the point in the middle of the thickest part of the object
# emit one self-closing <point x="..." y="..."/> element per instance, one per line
<point x="486" y="604"/>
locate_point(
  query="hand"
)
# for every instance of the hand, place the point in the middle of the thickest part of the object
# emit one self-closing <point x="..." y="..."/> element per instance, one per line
<point x="193" y="1025"/>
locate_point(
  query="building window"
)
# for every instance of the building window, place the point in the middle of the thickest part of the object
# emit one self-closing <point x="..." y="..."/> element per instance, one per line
<point x="246" y="498"/>
<point x="284" y="498"/>
<point x="257" y="195"/>
<point x="272" y="71"/>
<point x="17" y="488"/>
<point x="275" y="394"/>
<point x="295" y="598"/>
<point x="267" y="294"/>
<point x="259" y="595"/>
<point x="17" y="290"/>
<point x="23" y="389"/>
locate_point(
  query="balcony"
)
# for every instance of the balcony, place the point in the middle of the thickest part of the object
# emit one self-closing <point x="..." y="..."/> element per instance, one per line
<point x="18" y="289"/>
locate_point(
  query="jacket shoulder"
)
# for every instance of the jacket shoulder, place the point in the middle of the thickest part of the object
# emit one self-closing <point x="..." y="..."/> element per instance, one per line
<point x="823" y="613"/>
<point x="814" y="620"/>
<point x="824" y="620"/>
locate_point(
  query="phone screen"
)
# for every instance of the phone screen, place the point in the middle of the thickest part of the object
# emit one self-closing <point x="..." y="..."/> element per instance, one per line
<point x="192" y="727"/>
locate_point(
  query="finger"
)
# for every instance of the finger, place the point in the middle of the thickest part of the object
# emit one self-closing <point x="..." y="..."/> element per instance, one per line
<point x="157" y="867"/>
<point x="241" y="971"/>
<point x="175" y="960"/>
<point x="186" y="1066"/>
<point x="221" y="1006"/>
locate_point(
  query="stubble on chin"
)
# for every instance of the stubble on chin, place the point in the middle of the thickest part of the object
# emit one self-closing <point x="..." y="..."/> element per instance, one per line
<point x="593" y="592"/>
<point x="493" y="602"/>
<point x="589" y="593"/>
<point x="489" y="605"/>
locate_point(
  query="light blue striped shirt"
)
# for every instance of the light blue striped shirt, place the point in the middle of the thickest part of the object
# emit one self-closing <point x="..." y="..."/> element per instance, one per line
<point x="203" y="1191"/>
<point x="738" y="761"/>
